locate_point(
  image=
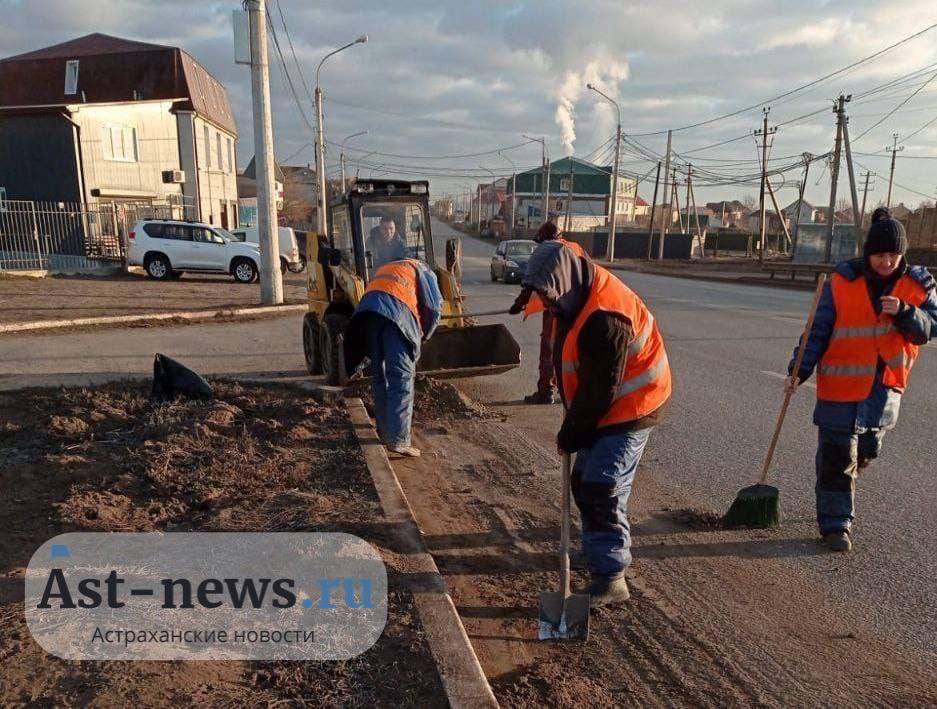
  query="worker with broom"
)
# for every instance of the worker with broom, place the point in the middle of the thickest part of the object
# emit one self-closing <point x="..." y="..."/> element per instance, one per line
<point x="614" y="381"/>
<point x="546" y="383"/>
<point x="871" y="320"/>
<point x="400" y="309"/>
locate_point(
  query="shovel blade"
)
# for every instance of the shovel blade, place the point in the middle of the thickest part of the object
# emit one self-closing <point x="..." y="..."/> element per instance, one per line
<point x="563" y="618"/>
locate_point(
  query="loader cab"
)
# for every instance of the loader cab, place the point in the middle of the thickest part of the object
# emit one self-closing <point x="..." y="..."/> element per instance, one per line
<point x="379" y="221"/>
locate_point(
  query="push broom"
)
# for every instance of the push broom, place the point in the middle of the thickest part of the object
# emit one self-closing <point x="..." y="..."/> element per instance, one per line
<point x="759" y="505"/>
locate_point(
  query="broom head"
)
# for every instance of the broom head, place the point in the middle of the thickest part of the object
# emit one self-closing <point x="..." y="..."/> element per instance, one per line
<point x="756" y="506"/>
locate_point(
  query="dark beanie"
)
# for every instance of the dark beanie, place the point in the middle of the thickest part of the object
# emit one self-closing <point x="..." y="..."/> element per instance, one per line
<point x="886" y="235"/>
<point x="547" y="232"/>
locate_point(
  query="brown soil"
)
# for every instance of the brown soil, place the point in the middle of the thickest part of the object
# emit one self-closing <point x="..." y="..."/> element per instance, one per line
<point x="433" y="401"/>
<point x="715" y="618"/>
<point x="255" y="459"/>
<point x="63" y="298"/>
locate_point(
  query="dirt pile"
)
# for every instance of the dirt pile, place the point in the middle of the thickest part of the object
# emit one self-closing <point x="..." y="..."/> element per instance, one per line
<point x="254" y="459"/>
<point x="434" y="400"/>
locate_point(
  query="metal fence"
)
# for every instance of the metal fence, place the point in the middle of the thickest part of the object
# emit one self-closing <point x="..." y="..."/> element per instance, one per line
<point x="71" y="235"/>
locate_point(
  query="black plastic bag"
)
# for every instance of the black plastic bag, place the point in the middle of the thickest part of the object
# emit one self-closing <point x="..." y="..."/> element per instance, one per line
<point x="172" y="379"/>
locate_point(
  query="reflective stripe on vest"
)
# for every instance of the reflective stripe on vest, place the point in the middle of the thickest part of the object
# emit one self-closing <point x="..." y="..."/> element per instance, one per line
<point x="861" y="338"/>
<point x="398" y="279"/>
<point x="645" y="383"/>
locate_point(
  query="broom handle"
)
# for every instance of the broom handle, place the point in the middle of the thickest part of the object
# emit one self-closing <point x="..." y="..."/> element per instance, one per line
<point x="475" y="315"/>
<point x="564" y="529"/>
<point x="795" y="373"/>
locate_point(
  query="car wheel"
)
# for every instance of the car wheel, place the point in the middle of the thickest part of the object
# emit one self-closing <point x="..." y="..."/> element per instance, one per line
<point x="331" y="336"/>
<point x="311" y="350"/>
<point x="284" y="266"/>
<point x="244" y="270"/>
<point x="157" y="267"/>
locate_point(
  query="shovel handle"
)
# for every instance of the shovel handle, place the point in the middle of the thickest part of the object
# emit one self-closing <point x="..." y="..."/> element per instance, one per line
<point x="795" y="373"/>
<point x="564" y="528"/>
<point x="474" y="315"/>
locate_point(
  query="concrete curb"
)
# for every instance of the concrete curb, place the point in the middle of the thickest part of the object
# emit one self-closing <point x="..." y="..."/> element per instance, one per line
<point x="740" y="280"/>
<point x="459" y="669"/>
<point x="41" y="325"/>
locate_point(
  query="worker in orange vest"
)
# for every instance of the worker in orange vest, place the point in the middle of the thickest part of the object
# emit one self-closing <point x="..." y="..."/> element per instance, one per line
<point x="871" y="320"/>
<point x="400" y="309"/>
<point x="546" y="383"/>
<point x="614" y="380"/>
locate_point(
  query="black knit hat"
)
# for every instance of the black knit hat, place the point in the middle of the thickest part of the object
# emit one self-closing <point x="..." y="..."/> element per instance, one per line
<point x="886" y="235"/>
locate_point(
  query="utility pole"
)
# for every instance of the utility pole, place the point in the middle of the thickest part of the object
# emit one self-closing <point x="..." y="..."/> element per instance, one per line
<point x="894" y="150"/>
<point x="663" y="221"/>
<point x="271" y="280"/>
<point x="613" y="217"/>
<point x="569" y="199"/>
<point x="763" y="226"/>
<point x="513" y="188"/>
<point x="342" y="156"/>
<point x="839" y="110"/>
<point x="856" y="217"/>
<point x="865" y="194"/>
<point x="800" y="200"/>
<point x="692" y="195"/>
<point x="676" y="199"/>
<point x="650" y="228"/>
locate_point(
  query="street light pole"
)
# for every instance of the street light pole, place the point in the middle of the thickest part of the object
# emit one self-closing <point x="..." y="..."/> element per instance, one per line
<point x="545" y="167"/>
<point x="513" y="188"/>
<point x="322" y="221"/>
<point x="342" y="156"/>
<point x="271" y="280"/>
<point x="613" y="212"/>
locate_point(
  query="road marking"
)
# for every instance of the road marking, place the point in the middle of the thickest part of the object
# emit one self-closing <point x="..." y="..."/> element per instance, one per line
<point x="776" y="375"/>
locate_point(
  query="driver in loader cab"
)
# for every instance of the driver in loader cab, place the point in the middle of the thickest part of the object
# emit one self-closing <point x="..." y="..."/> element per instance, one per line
<point x="385" y="243"/>
<point x="400" y="310"/>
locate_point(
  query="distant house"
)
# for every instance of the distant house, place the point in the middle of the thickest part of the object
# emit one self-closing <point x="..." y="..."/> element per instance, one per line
<point x="900" y="211"/>
<point x="112" y="120"/>
<point x="808" y="213"/>
<point x="729" y="213"/>
<point x="591" y="195"/>
<point x="641" y="208"/>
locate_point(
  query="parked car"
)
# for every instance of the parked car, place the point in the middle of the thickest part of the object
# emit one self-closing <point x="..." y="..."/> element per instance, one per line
<point x="167" y="248"/>
<point x="290" y="258"/>
<point x="510" y="260"/>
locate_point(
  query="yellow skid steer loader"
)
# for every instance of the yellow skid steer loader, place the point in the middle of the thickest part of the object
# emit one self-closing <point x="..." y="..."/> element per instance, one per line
<point x="341" y="265"/>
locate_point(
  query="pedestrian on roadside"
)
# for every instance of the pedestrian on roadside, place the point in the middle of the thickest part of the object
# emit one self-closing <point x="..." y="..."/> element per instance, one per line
<point x="546" y="383"/>
<point x="614" y="381"/>
<point x="400" y="310"/>
<point x="871" y="320"/>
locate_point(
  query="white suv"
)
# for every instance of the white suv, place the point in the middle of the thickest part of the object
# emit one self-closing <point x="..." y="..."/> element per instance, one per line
<point x="166" y="248"/>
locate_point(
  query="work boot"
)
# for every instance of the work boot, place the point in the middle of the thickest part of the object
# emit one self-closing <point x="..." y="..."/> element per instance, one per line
<point x="838" y="541"/>
<point x="541" y="396"/>
<point x="406" y="451"/>
<point x="607" y="590"/>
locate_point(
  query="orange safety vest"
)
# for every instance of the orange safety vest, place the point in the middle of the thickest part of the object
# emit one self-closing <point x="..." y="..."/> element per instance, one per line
<point x="535" y="304"/>
<point x="861" y="338"/>
<point x="645" y="384"/>
<point x="399" y="279"/>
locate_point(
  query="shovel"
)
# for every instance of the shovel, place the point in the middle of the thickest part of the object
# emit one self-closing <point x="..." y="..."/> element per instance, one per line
<point x="564" y="615"/>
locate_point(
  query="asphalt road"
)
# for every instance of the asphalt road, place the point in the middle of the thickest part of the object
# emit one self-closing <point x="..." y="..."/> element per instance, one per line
<point x="729" y="346"/>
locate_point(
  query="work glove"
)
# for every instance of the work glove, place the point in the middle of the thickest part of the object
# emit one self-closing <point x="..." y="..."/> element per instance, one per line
<point x="520" y="303"/>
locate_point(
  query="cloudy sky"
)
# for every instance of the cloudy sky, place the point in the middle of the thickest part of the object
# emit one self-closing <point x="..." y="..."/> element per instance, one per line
<point x="449" y="77"/>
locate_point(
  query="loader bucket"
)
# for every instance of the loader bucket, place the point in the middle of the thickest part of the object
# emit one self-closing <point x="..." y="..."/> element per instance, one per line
<point x="472" y="351"/>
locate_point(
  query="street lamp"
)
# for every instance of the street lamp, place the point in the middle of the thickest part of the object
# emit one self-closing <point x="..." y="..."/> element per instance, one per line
<point x="494" y="178"/>
<point x="545" y="164"/>
<point x="320" y="141"/>
<point x="513" y="188"/>
<point x="610" y="254"/>
<point x="342" y="156"/>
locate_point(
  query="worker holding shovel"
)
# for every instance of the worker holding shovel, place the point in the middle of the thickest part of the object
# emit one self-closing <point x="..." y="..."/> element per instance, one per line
<point x="871" y="320"/>
<point x="614" y="380"/>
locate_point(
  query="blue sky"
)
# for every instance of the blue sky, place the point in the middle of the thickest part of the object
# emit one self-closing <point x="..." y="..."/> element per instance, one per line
<point x="453" y="78"/>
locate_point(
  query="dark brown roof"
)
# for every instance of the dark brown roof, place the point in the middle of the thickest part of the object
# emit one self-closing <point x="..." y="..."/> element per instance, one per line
<point x="113" y="70"/>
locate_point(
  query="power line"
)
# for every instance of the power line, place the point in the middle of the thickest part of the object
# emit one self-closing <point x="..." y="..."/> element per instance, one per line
<point x="286" y="72"/>
<point x="796" y="90"/>
<point x="895" y="109"/>
<point x="437" y="157"/>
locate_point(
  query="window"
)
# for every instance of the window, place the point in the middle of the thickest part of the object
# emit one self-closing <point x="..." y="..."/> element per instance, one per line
<point x="206" y="236"/>
<point x="71" y="77"/>
<point x="207" y="141"/>
<point x="220" y="158"/>
<point x="177" y="232"/>
<point x="154" y="231"/>
<point x="120" y="143"/>
<point x="230" y="155"/>
<point x="3" y="198"/>
<point x="564" y="184"/>
<point x="341" y="236"/>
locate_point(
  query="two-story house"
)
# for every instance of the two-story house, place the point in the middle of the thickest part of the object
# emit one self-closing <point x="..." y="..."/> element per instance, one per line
<point x="109" y="120"/>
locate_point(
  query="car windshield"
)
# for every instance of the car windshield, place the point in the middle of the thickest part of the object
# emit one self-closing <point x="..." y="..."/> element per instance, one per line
<point x="523" y="248"/>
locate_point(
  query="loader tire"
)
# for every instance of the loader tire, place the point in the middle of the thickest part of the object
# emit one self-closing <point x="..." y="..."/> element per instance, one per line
<point x="331" y="333"/>
<point x="311" y="350"/>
